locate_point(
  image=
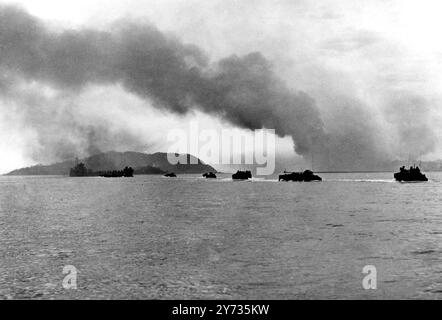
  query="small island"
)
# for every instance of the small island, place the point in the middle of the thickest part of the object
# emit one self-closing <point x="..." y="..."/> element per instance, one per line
<point x="142" y="163"/>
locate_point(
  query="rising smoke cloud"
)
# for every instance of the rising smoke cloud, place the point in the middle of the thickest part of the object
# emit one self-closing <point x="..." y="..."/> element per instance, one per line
<point x="177" y="77"/>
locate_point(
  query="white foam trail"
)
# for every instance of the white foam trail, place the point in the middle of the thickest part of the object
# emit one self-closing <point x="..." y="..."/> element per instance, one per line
<point x="361" y="180"/>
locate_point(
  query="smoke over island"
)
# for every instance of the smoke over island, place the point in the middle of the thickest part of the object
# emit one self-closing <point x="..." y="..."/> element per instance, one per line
<point x="177" y="77"/>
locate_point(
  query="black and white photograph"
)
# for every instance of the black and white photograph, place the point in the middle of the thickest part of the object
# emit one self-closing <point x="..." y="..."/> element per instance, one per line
<point x="220" y="150"/>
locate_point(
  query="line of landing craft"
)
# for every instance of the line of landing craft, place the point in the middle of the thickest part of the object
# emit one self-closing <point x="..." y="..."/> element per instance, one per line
<point x="404" y="175"/>
<point x="240" y="175"/>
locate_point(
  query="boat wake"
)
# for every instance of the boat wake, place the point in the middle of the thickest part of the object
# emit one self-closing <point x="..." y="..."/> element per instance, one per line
<point x="361" y="180"/>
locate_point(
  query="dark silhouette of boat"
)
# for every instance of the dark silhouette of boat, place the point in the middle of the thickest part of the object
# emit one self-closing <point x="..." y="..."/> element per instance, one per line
<point x="306" y="176"/>
<point x="242" y="175"/>
<point x="209" y="175"/>
<point x="410" y="175"/>
<point x="127" y="172"/>
<point x="170" y="175"/>
<point x="80" y="170"/>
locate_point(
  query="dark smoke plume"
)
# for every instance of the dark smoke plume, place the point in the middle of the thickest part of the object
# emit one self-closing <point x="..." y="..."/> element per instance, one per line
<point x="243" y="90"/>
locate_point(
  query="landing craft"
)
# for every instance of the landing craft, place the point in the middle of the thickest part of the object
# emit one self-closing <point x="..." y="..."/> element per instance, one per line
<point x="80" y="170"/>
<point x="242" y="175"/>
<point x="170" y="175"/>
<point x="413" y="174"/>
<point x="209" y="175"/>
<point x="127" y="172"/>
<point x="305" y="176"/>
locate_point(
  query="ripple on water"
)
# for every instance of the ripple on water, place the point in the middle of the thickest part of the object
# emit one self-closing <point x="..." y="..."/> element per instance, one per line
<point x="156" y="238"/>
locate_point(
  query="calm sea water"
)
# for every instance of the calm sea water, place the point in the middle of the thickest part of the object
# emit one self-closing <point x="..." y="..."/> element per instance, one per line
<point x="153" y="237"/>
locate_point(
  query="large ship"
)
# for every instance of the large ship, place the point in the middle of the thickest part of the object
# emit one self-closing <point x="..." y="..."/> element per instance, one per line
<point x="413" y="174"/>
<point x="305" y="176"/>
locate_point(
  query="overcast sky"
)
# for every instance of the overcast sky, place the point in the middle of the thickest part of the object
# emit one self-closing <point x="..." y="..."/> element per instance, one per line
<point x="373" y="56"/>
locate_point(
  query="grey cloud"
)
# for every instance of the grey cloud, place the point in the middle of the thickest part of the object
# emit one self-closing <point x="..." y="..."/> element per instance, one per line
<point x="410" y="115"/>
<point x="177" y="77"/>
<point x="352" y="40"/>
